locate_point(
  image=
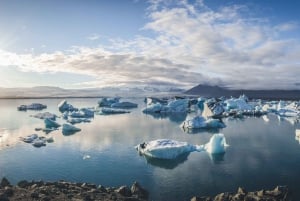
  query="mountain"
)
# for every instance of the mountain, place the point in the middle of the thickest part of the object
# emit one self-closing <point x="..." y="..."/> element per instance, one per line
<point x="56" y="92"/>
<point x="216" y="91"/>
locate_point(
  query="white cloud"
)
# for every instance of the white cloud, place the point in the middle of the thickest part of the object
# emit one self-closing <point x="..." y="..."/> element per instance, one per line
<point x="193" y="44"/>
<point x="93" y="37"/>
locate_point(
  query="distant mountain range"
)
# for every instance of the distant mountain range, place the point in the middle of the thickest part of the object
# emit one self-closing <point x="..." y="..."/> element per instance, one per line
<point x="56" y="92"/>
<point x="216" y="91"/>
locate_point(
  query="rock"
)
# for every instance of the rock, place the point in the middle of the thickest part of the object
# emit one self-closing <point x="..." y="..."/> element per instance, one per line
<point x="101" y="188"/>
<point x="124" y="190"/>
<point x="223" y="197"/>
<point x="3" y="197"/>
<point x="34" y="195"/>
<point x="23" y="184"/>
<point x="140" y="192"/>
<point x="4" y="183"/>
<point x="241" y="191"/>
<point x="195" y="198"/>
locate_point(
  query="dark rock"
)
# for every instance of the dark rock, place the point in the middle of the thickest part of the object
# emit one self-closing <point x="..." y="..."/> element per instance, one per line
<point x="23" y="184"/>
<point x="34" y="195"/>
<point x="46" y="198"/>
<point x="4" y="183"/>
<point x="3" y="197"/>
<point x="140" y="192"/>
<point x="9" y="191"/>
<point x="101" y="188"/>
<point x="124" y="190"/>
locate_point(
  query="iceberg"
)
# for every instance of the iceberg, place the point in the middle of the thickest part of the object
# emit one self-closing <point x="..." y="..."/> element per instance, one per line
<point x="65" y="106"/>
<point x="105" y="110"/>
<point x="45" y="115"/>
<point x="29" y="138"/>
<point x="171" y="149"/>
<point x="68" y="129"/>
<point x="165" y="148"/>
<point x="78" y="120"/>
<point x="124" y="105"/>
<point x="107" y="102"/>
<point x="201" y="122"/>
<point x="33" y="106"/>
<point x="216" y="144"/>
<point x="51" y="123"/>
<point x="238" y="103"/>
<point x="39" y="142"/>
<point x="153" y="108"/>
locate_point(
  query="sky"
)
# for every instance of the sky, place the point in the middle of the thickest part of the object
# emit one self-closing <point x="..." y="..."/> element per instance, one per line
<point x="241" y="44"/>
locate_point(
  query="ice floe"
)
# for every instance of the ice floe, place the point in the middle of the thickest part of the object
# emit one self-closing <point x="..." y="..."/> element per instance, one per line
<point x="65" y="106"/>
<point x="171" y="149"/>
<point x="126" y="105"/>
<point x="202" y="122"/>
<point x="45" y="115"/>
<point x="107" y="111"/>
<point x="107" y="102"/>
<point x="68" y="129"/>
<point x="37" y="141"/>
<point x="33" y="106"/>
<point x="49" y="123"/>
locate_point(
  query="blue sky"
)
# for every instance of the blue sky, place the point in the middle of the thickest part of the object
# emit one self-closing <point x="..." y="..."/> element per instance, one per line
<point x="97" y="43"/>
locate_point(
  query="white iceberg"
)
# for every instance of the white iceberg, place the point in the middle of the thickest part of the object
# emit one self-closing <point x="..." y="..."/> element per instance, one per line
<point x="180" y="105"/>
<point x="124" y="105"/>
<point x="171" y="149"/>
<point x="201" y="122"/>
<point x="51" y="123"/>
<point x="45" y="115"/>
<point x="165" y="148"/>
<point x="216" y="144"/>
<point x="237" y="103"/>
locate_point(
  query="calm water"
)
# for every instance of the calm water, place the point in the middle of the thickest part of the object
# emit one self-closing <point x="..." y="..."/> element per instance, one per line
<point x="261" y="154"/>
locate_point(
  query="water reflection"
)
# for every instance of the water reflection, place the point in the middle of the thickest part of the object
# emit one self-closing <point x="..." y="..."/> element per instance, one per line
<point x="168" y="163"/>
<point x="177" y="117"/>
<point x="200" y="130"/>
<point x="217" y="158"/>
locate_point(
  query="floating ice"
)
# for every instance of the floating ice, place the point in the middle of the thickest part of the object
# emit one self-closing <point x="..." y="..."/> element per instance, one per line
<point x="124" y="105"/>
<point x="165" y="148"/>
<point x="68" y="129"/>
<point x="51" y="123"/>
<point x="86" y="156"/>
<point x="45" y="115"/>
<point x="171" y="149"/>
<point x="29" y="138"/>
<point x="78" y="120"/>
<point x="112" y="111"/>
<point x="238" y="103"/>
<point x="201" y="122"/>
<point x="107" y="102"/>
<point x="216" y="144"/>
<point x="65" y="106"/>
<point x="33" y="106"/>
<point x="153" y="108"/>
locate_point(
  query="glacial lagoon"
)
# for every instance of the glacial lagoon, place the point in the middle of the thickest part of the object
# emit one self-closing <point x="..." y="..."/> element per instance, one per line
<point x="263" y="152"/>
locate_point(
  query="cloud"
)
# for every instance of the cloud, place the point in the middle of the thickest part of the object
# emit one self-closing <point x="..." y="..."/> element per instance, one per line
<point x="192" y="44"/>
<point x="93" y="37"/>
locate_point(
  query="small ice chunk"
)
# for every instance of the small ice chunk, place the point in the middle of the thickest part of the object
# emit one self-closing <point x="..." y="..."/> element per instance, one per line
<point x="30" y="138"/>
<point x="112" y="111"/>
<point x="68" y="129"/>
<point x="124" y="105"/>
<point x="86" y="156"/>
<point x="107" y="102"/>
<point x="45" y="115"/>
<point x="216" y="144"/>
<point x="65" y="106"/>
<point x="39" y="142"/>
<point x="51" y="123"/>
<point x="33" y="106"/>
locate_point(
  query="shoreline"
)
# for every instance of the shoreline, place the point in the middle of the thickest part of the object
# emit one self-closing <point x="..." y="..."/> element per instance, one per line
<point x="63" y="190"/>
